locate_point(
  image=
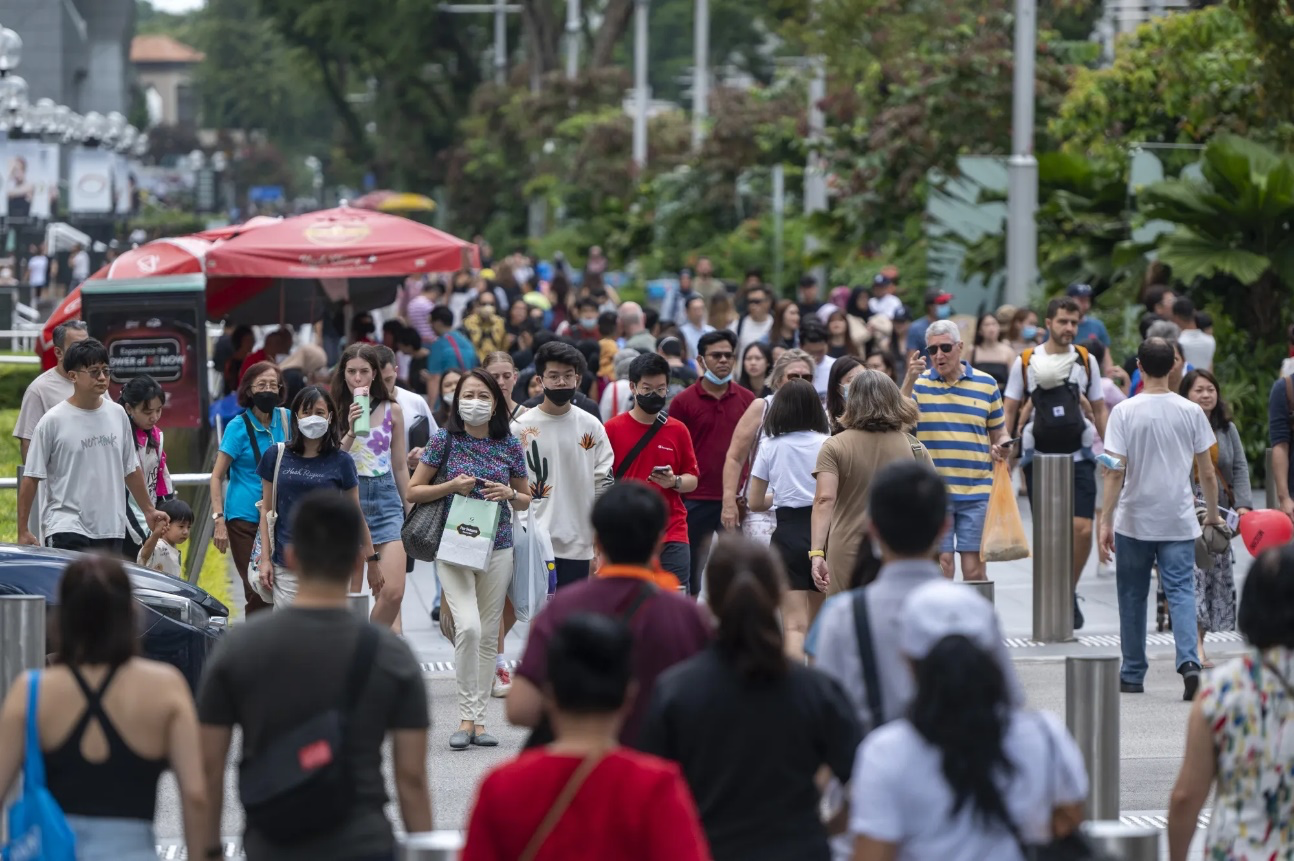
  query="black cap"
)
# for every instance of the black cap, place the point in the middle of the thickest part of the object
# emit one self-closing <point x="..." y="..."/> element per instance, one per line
<point x="902" y="315"/>
<point x="1080" y="291"/>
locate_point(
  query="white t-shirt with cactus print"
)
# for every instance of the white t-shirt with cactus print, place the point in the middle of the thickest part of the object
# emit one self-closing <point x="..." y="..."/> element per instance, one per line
<point x="568" y="463"/>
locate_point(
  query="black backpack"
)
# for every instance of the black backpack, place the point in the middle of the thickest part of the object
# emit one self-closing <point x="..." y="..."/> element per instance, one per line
<point x="1058" y="421"/>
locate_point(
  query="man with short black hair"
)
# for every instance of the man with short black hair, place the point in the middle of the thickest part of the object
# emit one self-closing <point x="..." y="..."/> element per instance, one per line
<point x="651" y="447"/>
<point x="451" y="349"/>
<point x="586" y="319"/>
<point x="316" y="644"/>
<point x="568" y="459"/>
<point x="756" y="325"/>
<point x="80" y="452"/>
<point x="1149" y="513"/>
<point x="710" y="410"/>
<point x="810" y="301"/>
<point x="1197" y="346"/>
<point x="629" y="523"/>
<point x="814" y="341"/>
<point x="1159" y="301"/>
<point x="50" y="388"/>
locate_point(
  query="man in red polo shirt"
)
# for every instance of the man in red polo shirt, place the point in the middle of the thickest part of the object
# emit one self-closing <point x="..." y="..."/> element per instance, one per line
<point x="629" y="522"/>
<point x="277" y="346"/>
<point x="710" y="410"/>
<point x="665" y="459"/>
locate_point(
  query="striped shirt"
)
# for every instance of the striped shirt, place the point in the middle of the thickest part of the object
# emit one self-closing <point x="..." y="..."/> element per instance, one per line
<point x="956" y="420"/>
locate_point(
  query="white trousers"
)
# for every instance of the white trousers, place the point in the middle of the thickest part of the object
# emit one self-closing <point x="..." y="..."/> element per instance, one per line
<point x="475" y="599"/>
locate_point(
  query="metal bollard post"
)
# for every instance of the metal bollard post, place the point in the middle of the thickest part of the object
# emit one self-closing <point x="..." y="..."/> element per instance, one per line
<point x="431" y="846"/>
<point x="1269" y="484"/>
<point x="1053" y="548"/>
<point x="1092" y="716"/>
<point x="357" y="603"/>
<point x="1124" y="842"/>
<point x="22" y="648"/>
<point x="984" y="587"/>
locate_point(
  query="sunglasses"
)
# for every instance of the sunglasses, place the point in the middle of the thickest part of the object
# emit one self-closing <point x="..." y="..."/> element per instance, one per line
<point x="941" y="348"/>
<point x="808" y="377"/>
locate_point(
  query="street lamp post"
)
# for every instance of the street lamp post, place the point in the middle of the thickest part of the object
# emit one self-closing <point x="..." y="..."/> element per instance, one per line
<point x="1022" y="167"/>
<point x="815" y="180"/>
<point x="640" y="84"/>
<point x="573" y="15"/>
<point x="700" y="73"/>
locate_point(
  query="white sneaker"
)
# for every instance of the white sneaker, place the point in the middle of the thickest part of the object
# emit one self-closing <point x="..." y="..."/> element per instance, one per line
<point x="1105" y="569"/>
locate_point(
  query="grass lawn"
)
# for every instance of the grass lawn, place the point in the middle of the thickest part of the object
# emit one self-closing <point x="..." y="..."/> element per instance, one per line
<point x="213" y="577"/>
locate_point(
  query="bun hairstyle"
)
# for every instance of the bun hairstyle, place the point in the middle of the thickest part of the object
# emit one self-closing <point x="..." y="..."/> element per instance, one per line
<point x="590" y="664"/>
<point x="746" y="582"/>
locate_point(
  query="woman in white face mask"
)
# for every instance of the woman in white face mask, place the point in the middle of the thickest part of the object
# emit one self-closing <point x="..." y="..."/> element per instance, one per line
<point x="480" y="459"/>
<point x="312" y="459"/>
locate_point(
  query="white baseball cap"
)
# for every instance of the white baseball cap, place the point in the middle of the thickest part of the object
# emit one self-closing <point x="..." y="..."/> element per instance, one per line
<point x="943" y="609"/>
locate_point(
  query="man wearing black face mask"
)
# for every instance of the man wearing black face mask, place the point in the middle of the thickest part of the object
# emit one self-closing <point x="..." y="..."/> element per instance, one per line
<point x="568" y="460"/>
<point x="656" y="449"/>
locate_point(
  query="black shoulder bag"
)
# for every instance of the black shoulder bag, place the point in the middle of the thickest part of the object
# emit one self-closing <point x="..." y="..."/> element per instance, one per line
<point x="425" y="523"/>
<point x="867" y="656"/>
<point x="301" y="782"/>
<point x="542" y="734"/>
<point x="661" y="418"/>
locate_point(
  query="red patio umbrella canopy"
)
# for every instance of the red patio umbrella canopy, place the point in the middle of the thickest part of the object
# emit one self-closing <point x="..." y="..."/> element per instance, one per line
<point x="341" y="243"/>
<point x="179" y="255"/>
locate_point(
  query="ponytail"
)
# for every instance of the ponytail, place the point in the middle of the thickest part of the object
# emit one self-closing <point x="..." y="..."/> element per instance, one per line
<point x="746" y="584"/>
<point x="962" y="708"/>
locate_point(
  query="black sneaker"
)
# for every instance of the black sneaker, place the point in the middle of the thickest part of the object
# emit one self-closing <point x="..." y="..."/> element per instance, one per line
<point x="1131" y="687"/>
<point x="1190" y="680"/>
<point x="1078" y="614"/>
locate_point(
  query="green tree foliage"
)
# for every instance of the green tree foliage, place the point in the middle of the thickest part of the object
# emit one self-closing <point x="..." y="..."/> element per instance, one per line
<point x="1271" y="22"/>
<point x="1180" y="79"/>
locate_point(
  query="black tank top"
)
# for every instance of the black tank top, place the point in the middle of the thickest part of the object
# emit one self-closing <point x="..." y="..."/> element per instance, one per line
<point x="123" y="786"/>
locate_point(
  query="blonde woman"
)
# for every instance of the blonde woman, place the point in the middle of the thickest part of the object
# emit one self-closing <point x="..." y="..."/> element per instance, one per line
<point x="876" y="422"/>
<point x="792" y="364"/>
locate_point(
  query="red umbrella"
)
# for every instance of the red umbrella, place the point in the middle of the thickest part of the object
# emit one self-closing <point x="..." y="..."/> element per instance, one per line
<point x="179" y="255"/>
<point x="229" y="231"/>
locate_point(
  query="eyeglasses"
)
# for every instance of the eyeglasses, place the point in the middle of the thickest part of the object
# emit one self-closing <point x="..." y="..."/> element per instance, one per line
<point x="559" y="379"/>
<point x="266" y="387"/>
<point x="719" y="357"/>
<point x="941" y="348"/>
<point x="662" y="391"/>
<point x="97" y="373"/>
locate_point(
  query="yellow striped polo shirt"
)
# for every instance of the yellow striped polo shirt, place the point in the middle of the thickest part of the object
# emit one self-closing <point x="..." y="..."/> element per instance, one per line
<point x="956" y="419"/>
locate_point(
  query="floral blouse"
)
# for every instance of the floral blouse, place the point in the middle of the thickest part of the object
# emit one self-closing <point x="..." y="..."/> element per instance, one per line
<point x="372" y="451"/>
<point x="1251" y="713"/>
<point x="498" y="460"/>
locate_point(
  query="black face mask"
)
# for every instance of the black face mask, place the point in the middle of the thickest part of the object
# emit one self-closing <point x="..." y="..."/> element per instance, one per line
<point x="265" y="401"/>
<point x="650" y="403"/>
<point x="560" y="397"/>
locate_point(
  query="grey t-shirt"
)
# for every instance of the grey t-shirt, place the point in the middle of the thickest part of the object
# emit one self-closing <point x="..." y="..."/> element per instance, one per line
<point x="280" y="669"/>
<point x="82" y="457"/>
<point x="44" y="392"/>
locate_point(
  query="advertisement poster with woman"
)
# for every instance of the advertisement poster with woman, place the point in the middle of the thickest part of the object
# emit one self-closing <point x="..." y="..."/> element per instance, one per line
<point x="30" y="179"/>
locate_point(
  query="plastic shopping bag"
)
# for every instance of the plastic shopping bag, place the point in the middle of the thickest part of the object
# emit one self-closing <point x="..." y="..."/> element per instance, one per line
<point x="1004" y="537"/>
<point x="469" y="533"/>
<point x="532" y="566"/>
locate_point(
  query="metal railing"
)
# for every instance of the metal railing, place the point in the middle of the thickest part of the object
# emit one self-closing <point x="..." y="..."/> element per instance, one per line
<point x="184" y="479"/>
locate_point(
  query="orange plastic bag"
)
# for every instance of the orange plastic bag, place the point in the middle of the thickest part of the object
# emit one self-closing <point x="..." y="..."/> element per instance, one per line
<point x="1004" y="538"/>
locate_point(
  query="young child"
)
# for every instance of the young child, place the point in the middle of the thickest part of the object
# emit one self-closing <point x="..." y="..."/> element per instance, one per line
<point x="161" y="549"/>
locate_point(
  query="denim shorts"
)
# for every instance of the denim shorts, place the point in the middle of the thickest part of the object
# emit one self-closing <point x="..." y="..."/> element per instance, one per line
<point x="967" y="525"/>
<point x="380" y="501"/>
<point x="106" y="838"/>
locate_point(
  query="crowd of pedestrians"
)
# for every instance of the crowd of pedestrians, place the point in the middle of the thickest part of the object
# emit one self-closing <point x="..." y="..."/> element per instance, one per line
<point x="752" y="509"/>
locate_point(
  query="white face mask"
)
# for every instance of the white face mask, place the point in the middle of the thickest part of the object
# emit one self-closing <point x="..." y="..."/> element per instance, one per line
<point x="313" y="427"/>
<point x="476" y="412"/>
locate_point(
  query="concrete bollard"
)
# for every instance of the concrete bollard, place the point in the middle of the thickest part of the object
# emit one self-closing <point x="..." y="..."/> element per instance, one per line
<point x="357" y="603"/>
<point x="1092" y="716"/>
<point x="1269" y="484"/>
<point x="431" y="846"/>
<point x="1123" y="842"/>
<point x="984" y="587"/>
<point x="1053" y="548"/>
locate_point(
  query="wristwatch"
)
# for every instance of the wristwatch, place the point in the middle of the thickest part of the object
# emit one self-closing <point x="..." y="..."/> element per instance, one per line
<point x="514" y="493"/>
<point x="376" y="557"/>
<point x="678" y="482"/>
<point x="217" y="515"/>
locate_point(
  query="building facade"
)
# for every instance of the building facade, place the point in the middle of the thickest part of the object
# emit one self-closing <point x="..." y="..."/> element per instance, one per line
<point x="76" y="52"/>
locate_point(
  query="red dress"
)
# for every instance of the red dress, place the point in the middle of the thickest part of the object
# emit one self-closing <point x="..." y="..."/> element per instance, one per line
<point x="632" y="807"/>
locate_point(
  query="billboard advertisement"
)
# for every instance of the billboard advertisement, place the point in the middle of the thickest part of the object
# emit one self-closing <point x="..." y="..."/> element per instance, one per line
<point x="90" y="182"/>
<point x="31" y="173"/>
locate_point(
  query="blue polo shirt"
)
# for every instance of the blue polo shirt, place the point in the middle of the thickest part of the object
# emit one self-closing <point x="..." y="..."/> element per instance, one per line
<point x="243" y="486"/>
<point x="451" y="350"/>
<point x="1090" y="328"/>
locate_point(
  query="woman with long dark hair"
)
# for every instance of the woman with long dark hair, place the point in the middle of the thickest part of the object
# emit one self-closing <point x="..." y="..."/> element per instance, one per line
<point x="840" y="342"/>
<point x="786" y="325"/>
<point x="108" y="723"/>
<point x="967" y="775"/>
<point x="486" y="462"/>
<point x="843" y="372"/>
<point x="750" y="727"/>
<point x="782" y="477"/>
<point x="380" y="460"/>
<point x="312" y="459"/>
<point x="992" y="353"/>
<point x="142" y="398"/>
<point x="756" y="369"/>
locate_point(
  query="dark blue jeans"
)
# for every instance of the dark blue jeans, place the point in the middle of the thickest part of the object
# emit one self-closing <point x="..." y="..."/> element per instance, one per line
<point x="1133" y="559"/>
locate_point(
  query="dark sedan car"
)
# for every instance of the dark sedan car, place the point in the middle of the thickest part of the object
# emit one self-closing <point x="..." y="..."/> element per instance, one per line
<point x="178" y="622"/>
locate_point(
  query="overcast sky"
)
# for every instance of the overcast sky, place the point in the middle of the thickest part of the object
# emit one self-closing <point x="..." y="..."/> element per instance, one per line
<point x="177" y="5"/>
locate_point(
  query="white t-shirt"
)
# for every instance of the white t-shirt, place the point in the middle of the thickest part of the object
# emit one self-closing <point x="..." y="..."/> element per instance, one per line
<point x="822" y="374"/>
<point x="38" y="270"/>
<point x="887" y="305"/>
<point x="82" y="456"/>
<point x="1088" y="382"/>
<point x="752" y="332"/>
<point x="787" y="462"/>
<point x="617" y="398"/>
<point x="898" y="793"/>
<point x="80" y="266"/>
<point x="1160" y="436"/>
<point x="414" y="405"/>
<point x="165" y="559"/>
<point x="1198" y="347"/>
<point x="574" y="460"/>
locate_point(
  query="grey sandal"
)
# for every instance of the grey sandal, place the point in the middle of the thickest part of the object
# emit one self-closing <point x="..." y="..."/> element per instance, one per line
<point x="460" y="740"/>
